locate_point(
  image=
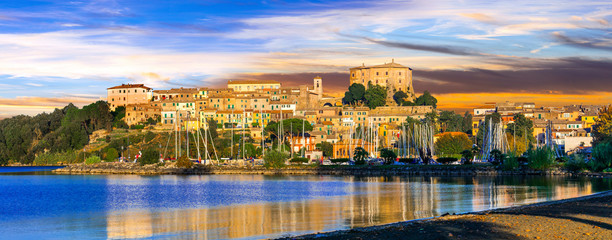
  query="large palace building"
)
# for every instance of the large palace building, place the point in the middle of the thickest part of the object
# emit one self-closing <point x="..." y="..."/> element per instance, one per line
<point x="395" y="77"/>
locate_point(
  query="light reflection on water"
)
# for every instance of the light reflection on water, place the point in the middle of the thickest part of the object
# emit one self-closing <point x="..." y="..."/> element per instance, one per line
<point x="256" y="206"/>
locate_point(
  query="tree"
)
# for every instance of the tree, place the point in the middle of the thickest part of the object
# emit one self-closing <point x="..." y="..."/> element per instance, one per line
<point x="212" y="128"/>
<point x="388" y="155"/>
<point x="375" y="96"/>
<point x="468" y="155"/>
<point x="602" y="156"/>
<point x="327" y="149"/>
<point x="452" y="143"/>
<point x="275" y="159"/>
<point x="149" y="156"/>
<point x="360" y="156"/>
<point x="493" y="118"/>
<point x="602" y="129"/>
<point x="522" y="128"/>
<point x="497" y="156"/>
<point x="292" y="125"/>
<point x="348" y="98"/>
<point x="450" y="122"/>
<point x="400" y="97"/>
<point x="467" y="123"/>
<point x="426" y="100"/>
<point x="357" y="92"/>
<point x="111" y="154"/>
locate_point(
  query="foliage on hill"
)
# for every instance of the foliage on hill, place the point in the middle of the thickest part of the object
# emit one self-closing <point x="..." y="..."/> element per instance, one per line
<point x="23" y="137"/>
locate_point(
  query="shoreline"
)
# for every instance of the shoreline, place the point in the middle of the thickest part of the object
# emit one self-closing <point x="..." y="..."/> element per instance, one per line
<point x="585" y="217"/>
<point x="407" y="170"/>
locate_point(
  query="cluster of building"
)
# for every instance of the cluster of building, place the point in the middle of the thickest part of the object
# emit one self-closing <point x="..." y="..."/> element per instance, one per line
<point x="570" y="126"/>
<point x="251" y="105"/>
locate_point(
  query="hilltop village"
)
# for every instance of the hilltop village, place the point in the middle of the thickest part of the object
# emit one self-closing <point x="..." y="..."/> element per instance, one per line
<point x="249" y="106"/>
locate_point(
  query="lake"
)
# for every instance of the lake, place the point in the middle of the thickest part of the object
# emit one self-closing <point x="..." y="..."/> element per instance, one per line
<point x="49" y="206"/>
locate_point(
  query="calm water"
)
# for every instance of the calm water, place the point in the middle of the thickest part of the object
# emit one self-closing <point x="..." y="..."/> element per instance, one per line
<point x="250" y="206"/>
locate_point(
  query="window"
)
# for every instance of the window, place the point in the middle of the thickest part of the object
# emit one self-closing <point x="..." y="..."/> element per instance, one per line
<point x="387" y="73"/>
<point x="400" y="73"/>
<point x="376" y="73"/>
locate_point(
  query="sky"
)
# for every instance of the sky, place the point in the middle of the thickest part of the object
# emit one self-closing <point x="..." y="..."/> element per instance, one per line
<point x="465" y="53"/>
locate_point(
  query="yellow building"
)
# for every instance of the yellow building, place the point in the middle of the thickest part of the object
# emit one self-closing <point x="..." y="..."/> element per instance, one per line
<point x="588" y="120"/>
<point x="125" y="94"/>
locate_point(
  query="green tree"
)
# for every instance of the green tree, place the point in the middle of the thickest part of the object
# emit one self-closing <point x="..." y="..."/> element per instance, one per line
<point x="327" y="149"/>
<point x="467" y="123"/>
<point x="348" y="98"/>
<point x="111" y="154"/>
<point x="522" y="128"/>
<point x="149" y="156"/>
<point x="452" y="143"/>
<point x="602" y="156"/>
<point x="426" y="100"/>
<point x="375" y="96"/>
<point x="212" y="128"/>
<point x="388" y="155"/>
<point x="360" y="155"/>
<point x="275" y="159"/>
<point x="468" y="155"/>
<point x="357" y="92"/>
<point x="493" y="118"/>
<point x="497" y="156"/>
<point x="400" y="97"/>
<point x="602" y="129"/>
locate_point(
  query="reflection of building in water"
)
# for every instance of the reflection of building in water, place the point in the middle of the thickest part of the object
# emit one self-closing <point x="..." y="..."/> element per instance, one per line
<point x="375" y="200"/>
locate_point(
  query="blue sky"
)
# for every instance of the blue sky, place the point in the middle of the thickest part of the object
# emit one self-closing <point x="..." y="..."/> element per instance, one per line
<point x="55" y="52"/>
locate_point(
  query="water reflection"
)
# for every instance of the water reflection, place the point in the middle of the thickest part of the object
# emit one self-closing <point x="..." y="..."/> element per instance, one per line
<point x="372" y="201"/>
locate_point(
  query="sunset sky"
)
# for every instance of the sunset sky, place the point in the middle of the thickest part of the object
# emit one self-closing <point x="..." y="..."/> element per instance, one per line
<point x="464" y="52"/>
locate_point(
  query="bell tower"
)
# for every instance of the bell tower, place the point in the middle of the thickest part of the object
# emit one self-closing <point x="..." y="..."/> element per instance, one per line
<point x="318" y="86"/>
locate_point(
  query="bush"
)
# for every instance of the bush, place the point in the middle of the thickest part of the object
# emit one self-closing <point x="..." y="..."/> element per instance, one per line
<point x="511" y="163"/>
<point x="541" y="158"/>
<point x="275" y="159"/>
<point x="137" y="126"/>
<point x="446" y="160"/>
<point x="111" y="154"/>
<point x="184" y="162"/>
<point x="360" y="156"/>
<point x="575" y="163"/>
<point x="497" y="157"/>
<point x="339" y="160"/>
<point x="92" y="160"/>
<point x="602" y="156"/>
<point x="149" y="156"/>
<point x="299" y="160"/>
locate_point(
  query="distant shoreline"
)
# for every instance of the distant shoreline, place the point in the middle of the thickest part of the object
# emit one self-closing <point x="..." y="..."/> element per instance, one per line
<point x="407" y="170"/>
<point x="583" y="217"/>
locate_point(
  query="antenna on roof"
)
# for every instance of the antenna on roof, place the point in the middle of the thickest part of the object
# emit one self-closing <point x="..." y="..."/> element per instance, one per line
<point x="392" y="60"/>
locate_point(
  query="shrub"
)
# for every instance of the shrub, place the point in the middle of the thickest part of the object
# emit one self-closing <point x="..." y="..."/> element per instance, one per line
<point x="446" y="160"/>
<point x="388" y="155"/>
<point x="299" y="160"/>
<point x="497" y="157"/>
<point x="275" y="159"/>
<point x="184" y="162"/>
<point x="575" y="163"/>
<point x="510" y="163"/>
<point x="92" y="160"/>
<point x="541" y="158"/>
<point x="137" y="126"/>
<point x="149" y="156"/>
<point x="111" y="154"/>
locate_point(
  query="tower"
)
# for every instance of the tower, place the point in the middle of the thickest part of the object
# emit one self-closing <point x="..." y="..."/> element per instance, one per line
<point x="318" y="86"/>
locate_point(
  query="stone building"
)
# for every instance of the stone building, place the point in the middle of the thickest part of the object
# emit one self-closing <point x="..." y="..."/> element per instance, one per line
<point x="125" y="94"/>
<point x="395" y="77"/>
